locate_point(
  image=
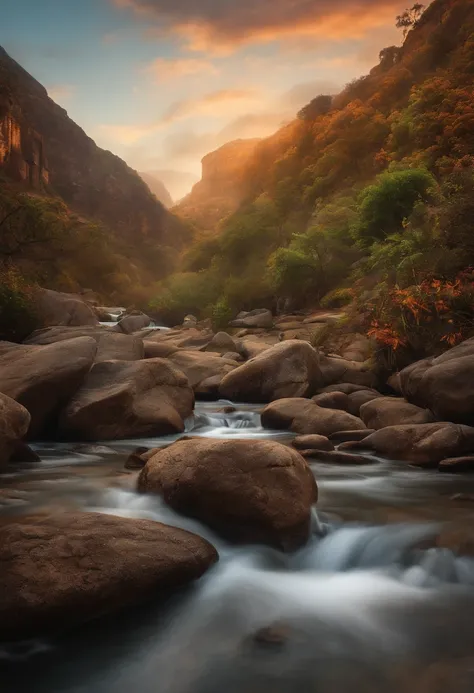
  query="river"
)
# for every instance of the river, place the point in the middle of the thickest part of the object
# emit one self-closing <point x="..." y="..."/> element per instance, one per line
<point x="371" y="605"/>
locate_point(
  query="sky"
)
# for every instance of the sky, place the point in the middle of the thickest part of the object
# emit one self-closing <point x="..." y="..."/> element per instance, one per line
<point x="163" y="82"/>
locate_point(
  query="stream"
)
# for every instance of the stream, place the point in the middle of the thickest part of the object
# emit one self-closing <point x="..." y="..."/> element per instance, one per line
<point x="371" y="605"/>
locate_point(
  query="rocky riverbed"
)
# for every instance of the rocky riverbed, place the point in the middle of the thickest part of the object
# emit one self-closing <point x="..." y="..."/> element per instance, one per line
<point x="189" y="511"/>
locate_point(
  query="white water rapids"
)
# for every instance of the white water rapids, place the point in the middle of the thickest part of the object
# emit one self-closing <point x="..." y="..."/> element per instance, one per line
<point x="371" y="604"/>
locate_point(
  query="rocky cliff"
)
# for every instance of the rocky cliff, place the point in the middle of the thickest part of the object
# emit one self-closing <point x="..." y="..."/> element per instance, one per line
<point x="42" y="147"/>
<point x="220" y="190"/>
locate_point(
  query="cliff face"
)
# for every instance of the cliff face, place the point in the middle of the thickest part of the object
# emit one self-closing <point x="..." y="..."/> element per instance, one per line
<point x="221" y="188"/>
<point x="41" y="146"/>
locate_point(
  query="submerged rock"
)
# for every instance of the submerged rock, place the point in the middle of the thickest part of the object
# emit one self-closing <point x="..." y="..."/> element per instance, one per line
<point x="304" y="416"/>
<point x="288" y="369"/>
<point x="61" y="570"/>
<point x="248" y="491"/>
<point x="121" y="399"/>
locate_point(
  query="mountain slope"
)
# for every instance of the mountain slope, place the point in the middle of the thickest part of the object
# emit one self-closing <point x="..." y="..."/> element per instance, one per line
<point x="44" y="150"/>
<point x="371" y="187"/>
<point x="158" y="188"/>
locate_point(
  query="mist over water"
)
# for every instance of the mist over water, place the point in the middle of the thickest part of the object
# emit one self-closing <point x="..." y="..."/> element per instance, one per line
<point x="372" y="603"/>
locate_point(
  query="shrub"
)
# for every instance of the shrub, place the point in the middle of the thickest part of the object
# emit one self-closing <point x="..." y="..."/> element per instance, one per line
<point x="337" y="298"/>
<point x="221" y="314"/>
<point x="17" y="307"/>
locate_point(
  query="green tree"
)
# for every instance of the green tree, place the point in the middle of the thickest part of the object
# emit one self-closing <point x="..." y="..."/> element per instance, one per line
<point x="387" y="203"/>
<point x="410" y="18"/>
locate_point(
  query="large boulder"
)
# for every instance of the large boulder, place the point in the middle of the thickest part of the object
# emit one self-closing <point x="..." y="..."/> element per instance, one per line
<point x="259" y="318"/>
<point x="248" y="491"/>
<point x="121" y="399"/>
<point x="335" y="369"/>
<point x="424" y="445"/>
<point x="55" y="308"/>
<point x="289" y="369"/>
<point x="204" y="371"/>
<point x="133" y="323"/>
<point x="110" y="345"/>
<point x="304" y="417"/>
<point x="444" y="384"/>
<point x="61" y="570"/>
<point x="14" y="423"/>
<point x="44" y="378"/>
<point x="393" y="411"/>
<point x="221" y="343"/>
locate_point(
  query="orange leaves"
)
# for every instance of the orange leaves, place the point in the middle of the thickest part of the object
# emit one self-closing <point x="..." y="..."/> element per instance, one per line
<point x="385" y="335"/>
<point x="427" y="315"/>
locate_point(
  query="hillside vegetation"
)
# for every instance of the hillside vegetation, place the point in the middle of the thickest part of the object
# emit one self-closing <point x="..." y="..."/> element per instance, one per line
<point x="366" y="198"/>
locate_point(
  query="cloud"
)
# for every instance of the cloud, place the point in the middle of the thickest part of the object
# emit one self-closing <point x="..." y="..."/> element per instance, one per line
<point x="216" y="104"/>
<point x="163" y="69"/>
<point x="60" y="92"/>
<point x="220" y="24"/>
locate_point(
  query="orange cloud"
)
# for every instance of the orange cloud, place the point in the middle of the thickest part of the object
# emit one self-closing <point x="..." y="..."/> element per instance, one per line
<point x="164" y="69"/>
<point x="219" y="25"/>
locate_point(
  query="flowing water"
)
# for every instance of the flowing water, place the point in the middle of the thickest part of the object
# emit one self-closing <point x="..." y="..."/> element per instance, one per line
<point x="373" y="604"/>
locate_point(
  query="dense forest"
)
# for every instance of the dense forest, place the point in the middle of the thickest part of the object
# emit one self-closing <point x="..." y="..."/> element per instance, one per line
<point x="365" y="200"/>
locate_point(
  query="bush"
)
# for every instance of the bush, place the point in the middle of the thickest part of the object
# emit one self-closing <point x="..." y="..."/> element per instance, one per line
<point x="221" y="314"/>
<point x="385" y="205"/>
<point x="337" y="298"/>
<point x="17" y="307"/>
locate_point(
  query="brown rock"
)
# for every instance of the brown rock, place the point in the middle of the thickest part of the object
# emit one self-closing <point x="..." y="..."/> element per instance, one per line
<point x="345" y="436"/>
<point x="121" y="399"/>
<point x="61" y="570"/>
<point x="232" y="356"/>
<point x="43" y="378"/>
<point x="14" y="423"/>
<point x="304" y="416"/>
<point x="135" y="459"/>
<point x="110" y="345"/>
<point x="357" y="399"/>
<point x="422" y="444"/>
<point x="444" y="384"/>
<point x="312" y="442"/>
<point x="347" y="388"/>
<point x="55" y="308"/>
<point x="260" y="318"/>
<point x="457" y="464"/>
<point x="133" y="323"/>
<point x="199" y="367"/>
<point x="158" y="350"/>
<point x="23" y="453"/>
<point x="289" y="369"/>
<point x="221" y="343"/>
<point x="335" y="369"/>
<point x="250" y="348"/>
<point x="248" y="491"/>
<point x="393" y="411"/>
<point x="332" y="400"/>
<point x="335" y="457"/>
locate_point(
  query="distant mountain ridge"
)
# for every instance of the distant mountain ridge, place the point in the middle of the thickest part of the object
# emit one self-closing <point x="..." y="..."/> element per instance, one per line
<point x="158" y="189"/>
